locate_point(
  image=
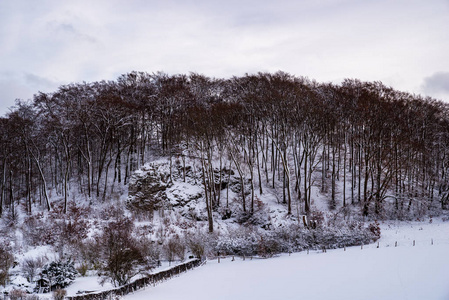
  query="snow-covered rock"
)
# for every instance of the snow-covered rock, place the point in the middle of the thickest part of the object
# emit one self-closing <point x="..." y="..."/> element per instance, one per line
<point x="147" y="187"/>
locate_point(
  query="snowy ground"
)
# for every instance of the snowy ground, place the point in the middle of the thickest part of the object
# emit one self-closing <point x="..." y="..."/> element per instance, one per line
<point x="388" y="272"/>
<point x="92" y="283"/>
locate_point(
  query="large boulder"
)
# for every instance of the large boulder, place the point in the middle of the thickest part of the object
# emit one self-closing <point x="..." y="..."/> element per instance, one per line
<point x="147" y="187"/>
<point x="152" y="188"/>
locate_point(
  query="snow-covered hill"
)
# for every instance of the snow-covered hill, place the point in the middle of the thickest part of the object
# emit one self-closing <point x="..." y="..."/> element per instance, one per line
<point x="166" y="208"/>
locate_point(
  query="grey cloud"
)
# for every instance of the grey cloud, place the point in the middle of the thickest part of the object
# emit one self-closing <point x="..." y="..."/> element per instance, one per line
<point x="22" y="86"/>
<point x="39" y="82"/>
<point x="70" y="30"/>
<point x="437" y="83"/>
<point x="67" y="27"/>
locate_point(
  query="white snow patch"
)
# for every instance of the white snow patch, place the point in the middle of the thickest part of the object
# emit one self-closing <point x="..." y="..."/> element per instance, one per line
<point x="87" y="284"/>
<point x="387" y="272"/>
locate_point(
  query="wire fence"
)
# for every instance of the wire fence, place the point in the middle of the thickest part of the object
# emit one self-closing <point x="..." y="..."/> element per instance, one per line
<point x="323" y="249"/>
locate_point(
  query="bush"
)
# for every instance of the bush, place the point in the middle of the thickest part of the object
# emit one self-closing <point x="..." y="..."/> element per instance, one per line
<point x="197" y="246"/>
<point x="60" y="274"/>
<point x="37" y="232"/>
<point x="200" y="242"/>
<point x="269" y="245"/>
<point x="374" y="228"/>
<point x="82" y="269"/>
<point x="58" y="229"/>
<point x="88" y="251"/>
<point x="337" y="233"/>
<point x="6" y="262"/>
<point x="122" y="258"/>
<point x="30" y="267"/>
<point x="16" y="294"/>
<point x="10" y="218"/>
<point x="173" y="248"/>
<point x="239" y="242"/>
<point x="59" y="294"/>
<point x="150" y="251"/>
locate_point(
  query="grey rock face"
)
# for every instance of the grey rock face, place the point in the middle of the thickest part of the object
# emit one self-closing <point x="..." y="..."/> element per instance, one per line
<point x="148" y="186"/>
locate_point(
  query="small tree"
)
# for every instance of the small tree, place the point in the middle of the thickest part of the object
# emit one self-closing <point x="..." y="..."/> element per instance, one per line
<point x="60" y="274"/>
<point x="30" y="267"/>
<point x="121" y="254"/>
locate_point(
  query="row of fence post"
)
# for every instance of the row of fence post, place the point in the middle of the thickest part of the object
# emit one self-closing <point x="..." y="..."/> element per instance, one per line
<point x="324" y="249"/>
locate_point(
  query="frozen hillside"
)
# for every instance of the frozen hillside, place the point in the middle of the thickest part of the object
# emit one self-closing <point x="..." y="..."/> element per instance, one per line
<point x="162" y="218"/>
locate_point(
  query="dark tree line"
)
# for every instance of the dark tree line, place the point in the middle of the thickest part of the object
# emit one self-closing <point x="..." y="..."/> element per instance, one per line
<point x="359" y="143"/>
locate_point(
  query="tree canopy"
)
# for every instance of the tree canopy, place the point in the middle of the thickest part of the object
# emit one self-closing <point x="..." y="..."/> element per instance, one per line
<point x="360" y="143"/>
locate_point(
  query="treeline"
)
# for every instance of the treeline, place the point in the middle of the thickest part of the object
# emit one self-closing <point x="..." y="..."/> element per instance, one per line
<point x="359" y="143"/>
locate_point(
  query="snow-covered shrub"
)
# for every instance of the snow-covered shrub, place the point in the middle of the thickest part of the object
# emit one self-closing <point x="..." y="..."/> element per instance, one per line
<point x="121" y="258"/>
<point x="31" y="266"/>
<point x="59" y="294"/>
<point x="7" y="236"/>
<point x="75" y="226"/>
<point x="200" y="242"/>
<point x="112" y="213"/>
<point x="6" y="262"/>
<point x="174" y="248"/>
<point x="269" y="245"/>
<point x="88" y="252"/>
<point x="183" y="223"/>
<point x="239" y="242"/>
<point x="290" y="237"/>
<point x="197" y="243"/>
<point x="59" y="273"/>
<point x="36" y="231"/>
<point x="58" y="228"/>
<point x="17" y="294"/>
<point x="375" y="229"/>
<point x="345" y="234"/>
<point x="144" y="230"/>
<point x="150" y="250"/>
<point x="253" y="241"/>
<point x="256" y="218"/>
<point x="82" y="269"/>
<point x="11" y="218"/>
<point x="336" y="233"/>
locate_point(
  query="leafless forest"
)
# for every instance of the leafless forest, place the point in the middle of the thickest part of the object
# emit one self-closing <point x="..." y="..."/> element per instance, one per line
<point x="363" y="144"/>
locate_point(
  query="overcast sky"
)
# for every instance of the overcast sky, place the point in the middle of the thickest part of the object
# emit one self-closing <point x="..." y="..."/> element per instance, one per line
<point x="46" y="43"/>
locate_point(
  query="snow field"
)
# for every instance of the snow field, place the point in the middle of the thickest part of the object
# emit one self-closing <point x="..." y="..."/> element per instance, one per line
<point x="384" y="273"/>
<point x="387" y="272"/>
